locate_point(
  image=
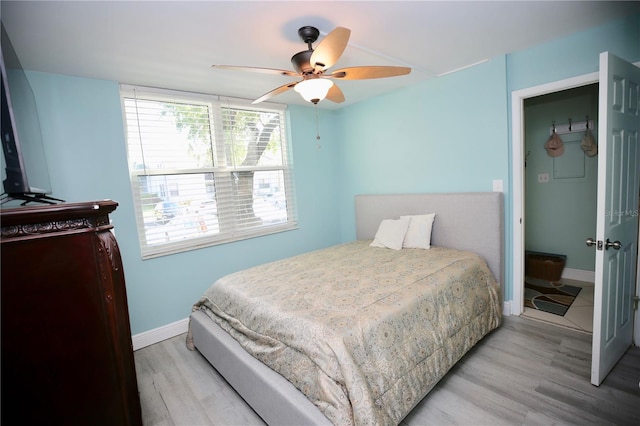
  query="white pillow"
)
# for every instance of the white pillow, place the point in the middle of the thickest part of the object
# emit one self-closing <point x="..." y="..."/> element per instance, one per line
<point x="419" y="232"/>
<point x="391" y="233"/>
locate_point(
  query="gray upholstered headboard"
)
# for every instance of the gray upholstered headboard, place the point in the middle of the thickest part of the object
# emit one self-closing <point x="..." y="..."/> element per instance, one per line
<point x="471" y="221"/>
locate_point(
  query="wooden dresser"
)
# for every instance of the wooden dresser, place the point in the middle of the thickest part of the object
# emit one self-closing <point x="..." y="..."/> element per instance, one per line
<point x="67" y="356"/>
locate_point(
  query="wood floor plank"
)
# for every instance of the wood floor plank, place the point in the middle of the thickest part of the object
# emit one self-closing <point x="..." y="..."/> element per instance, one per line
<point x="451" y="405"/>
<point x="460" y="395"/>
<point x="592" y="408"/>
<point x="181" y="388"/>
<point x="524" y="373"/>
<point x="154" y="410"/>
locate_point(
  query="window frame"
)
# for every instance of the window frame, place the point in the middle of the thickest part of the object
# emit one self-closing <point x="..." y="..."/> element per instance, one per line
<point x="222" y="169"/>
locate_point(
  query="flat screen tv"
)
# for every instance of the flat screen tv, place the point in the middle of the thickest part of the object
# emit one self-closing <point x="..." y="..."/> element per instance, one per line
<point x="21" y="136"/>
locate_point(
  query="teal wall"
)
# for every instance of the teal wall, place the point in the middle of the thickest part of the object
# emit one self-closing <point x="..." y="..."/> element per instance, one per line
<point x="574" y="55"/>
<point x="561" y="214"/>
<point x="447" y="134"/>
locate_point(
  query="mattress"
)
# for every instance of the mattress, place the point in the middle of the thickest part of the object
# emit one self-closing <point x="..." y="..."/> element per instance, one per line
<point x="363" y="332"/>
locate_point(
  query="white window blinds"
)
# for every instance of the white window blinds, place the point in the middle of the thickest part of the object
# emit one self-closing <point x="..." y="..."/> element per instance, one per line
<point x="205" y="170"/>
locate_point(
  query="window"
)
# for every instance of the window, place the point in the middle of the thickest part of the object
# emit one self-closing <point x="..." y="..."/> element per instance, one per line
<point x="205" y="170"/>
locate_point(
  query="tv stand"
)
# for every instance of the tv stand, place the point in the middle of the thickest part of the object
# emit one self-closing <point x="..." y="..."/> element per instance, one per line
<point x="30" y="198"/>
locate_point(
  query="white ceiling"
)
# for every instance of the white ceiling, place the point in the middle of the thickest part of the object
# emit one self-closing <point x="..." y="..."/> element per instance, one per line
<point x="172" y="44"/>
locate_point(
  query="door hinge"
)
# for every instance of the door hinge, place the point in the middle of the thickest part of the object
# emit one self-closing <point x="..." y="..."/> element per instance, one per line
<point x="636" y="299"/>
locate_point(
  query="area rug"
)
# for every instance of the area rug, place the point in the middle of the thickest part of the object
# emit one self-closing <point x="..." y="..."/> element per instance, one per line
<point x="552" y="297"/>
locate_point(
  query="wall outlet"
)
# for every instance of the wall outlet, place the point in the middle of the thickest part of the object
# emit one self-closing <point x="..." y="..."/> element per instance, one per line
<point x="543" y="178"/>
<point x="498" y="186"/>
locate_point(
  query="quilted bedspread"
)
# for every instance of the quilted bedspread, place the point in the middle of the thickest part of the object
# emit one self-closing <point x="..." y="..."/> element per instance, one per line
<point x="363" y="332"/>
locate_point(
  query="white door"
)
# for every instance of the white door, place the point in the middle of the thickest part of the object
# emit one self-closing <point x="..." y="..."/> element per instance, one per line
<point x="617" y="205"/>
<point x="636" y="327"/>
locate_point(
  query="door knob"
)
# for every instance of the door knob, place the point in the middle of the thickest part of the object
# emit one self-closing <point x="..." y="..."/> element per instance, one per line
<point x="590" y="242"/>
<point x="617" y="245"/>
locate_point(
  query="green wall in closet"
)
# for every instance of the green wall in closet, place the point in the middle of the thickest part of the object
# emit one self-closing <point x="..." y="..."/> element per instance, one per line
<point x="561" y="214"/>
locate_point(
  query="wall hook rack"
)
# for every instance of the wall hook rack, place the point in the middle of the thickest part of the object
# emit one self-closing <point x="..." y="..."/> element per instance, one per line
<point x="570" y="127"/>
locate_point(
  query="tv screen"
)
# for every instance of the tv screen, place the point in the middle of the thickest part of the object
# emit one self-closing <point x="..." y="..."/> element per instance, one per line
<point x="25" y="174"/>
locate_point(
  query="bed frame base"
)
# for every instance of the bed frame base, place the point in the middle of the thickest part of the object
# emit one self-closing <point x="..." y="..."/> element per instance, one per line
<point x="270" y="395"/>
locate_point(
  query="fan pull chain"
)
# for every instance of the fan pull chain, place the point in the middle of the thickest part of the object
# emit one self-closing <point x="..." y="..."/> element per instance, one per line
<point x="318" y="145"/>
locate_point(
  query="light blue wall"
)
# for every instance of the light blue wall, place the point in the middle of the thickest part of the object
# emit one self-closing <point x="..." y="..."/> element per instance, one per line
<point x="84" y="140"/>
<point x="446" y="134"/>
<point x="575" y="55"/>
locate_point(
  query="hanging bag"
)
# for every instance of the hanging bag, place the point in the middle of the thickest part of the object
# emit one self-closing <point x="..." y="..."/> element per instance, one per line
<point x="554" y="145"/>
<point x="588" y="145"/>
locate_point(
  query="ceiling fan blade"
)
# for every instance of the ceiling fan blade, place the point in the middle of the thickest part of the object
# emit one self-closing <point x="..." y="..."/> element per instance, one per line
<point x="364" y="73"/>
<point x="271" y="71"/>
<point x="330" y="49"/>
<point x="335" y="94"/>
<point x="275" y="92"/>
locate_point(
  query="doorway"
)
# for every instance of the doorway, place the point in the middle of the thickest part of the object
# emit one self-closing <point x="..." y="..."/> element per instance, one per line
<point x="560" y="194"/>
<point x="518" y="182"/>
<point x="516" y="305"/>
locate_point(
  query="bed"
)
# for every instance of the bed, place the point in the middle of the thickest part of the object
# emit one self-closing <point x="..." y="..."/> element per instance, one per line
<point x="355" y="334"/>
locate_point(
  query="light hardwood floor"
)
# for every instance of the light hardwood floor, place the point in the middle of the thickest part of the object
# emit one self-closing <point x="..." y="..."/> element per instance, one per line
<point x="524" y="373"/>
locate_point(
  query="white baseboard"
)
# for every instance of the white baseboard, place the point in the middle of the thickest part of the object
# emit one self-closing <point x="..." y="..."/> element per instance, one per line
<point x="159" y="334"/>
<point x="579" y="275"/>
<point x="506" y="308"/>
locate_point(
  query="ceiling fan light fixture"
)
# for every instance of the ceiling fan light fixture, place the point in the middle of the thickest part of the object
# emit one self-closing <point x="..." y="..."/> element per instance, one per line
<point x="314" y="90"/>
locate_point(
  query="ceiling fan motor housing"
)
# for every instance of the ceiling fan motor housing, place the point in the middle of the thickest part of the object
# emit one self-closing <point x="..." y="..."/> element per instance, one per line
<point x="301" y="62"/>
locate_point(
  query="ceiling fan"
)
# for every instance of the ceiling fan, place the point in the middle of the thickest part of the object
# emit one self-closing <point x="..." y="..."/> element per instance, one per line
<point x="311" y="65"/>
